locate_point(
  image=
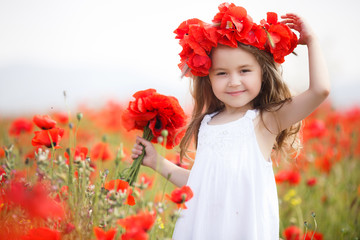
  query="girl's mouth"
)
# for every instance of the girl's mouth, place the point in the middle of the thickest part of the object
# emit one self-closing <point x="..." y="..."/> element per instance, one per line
<point x="235" y="93"/>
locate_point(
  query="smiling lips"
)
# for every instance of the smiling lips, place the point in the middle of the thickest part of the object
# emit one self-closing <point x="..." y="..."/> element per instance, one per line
<point x="235" y="93"/>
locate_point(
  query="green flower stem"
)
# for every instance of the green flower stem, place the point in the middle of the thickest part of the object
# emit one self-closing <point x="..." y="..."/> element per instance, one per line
<point x="118" y="159"/>
<point x="132" y="173"/>
<point x="306" y="228"/>
<point x="299" y="214"/>
<point x="52" y="156"/>
<point x="167" y="181"/>
<point x="72" y="200"/>
<point x="313" y="215"/>
<point x="95" y="203"/>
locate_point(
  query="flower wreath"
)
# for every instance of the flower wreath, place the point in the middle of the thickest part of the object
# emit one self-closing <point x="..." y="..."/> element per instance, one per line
<point x="231" y="25"/>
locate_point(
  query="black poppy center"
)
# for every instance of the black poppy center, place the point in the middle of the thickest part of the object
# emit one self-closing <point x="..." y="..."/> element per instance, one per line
<point x="158" y="124"/>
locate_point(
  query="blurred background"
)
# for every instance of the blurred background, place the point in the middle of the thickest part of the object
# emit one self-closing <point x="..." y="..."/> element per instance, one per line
<point x="98" y="51"/>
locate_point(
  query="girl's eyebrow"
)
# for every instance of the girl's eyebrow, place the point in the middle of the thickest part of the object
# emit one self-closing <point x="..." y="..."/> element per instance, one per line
<point x="245" y="66"/>
<point x="222" y="68"/>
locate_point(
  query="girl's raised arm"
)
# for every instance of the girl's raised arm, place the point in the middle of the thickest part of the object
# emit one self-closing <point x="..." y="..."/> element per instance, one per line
<point x="305" y="103"/>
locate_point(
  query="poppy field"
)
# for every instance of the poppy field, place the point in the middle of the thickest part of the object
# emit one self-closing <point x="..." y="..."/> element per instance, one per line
<point x="61" y="177"/>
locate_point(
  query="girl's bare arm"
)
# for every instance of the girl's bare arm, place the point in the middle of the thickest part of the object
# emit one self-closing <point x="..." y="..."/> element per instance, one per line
<point x="177" y="175"/>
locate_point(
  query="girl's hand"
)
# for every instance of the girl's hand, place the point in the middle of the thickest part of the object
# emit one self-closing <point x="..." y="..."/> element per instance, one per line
<point x="151" y="156"/>
<point x="297" y="23"/>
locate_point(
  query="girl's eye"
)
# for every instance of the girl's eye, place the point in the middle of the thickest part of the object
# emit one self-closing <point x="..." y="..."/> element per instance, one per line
<point x="245" y="70"/>
<point x="220" y="73"/>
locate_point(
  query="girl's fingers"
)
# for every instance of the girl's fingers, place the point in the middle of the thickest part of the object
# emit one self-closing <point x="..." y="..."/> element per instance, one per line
<point x="290" y="15"/>
<point x="289" y="20"/>
<point x="143" y="141"/>
<point x="138" y="147"/>
<point x="136" y="150"/>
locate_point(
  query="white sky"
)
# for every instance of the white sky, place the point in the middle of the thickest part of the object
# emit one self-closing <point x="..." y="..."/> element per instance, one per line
<point x="97" y="50"/>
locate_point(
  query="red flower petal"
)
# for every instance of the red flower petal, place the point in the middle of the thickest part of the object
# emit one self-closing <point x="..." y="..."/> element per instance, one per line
<point x="42" y="233"/>
<point x="100" y="234"/>
<point x="44" y="122"/>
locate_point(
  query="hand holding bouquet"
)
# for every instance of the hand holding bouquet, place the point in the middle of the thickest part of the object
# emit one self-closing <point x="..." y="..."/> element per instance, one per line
<point x="153" y="113"/>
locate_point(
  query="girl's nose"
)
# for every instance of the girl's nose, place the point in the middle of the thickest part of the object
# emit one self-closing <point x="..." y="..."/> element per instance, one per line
<point x="234" y="81"/>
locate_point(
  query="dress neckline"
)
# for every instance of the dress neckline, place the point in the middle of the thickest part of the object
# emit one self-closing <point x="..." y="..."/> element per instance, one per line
<point x="250" y="114"/>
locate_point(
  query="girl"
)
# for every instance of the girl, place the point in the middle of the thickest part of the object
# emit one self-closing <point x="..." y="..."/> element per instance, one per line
<point x="242" y="111"/>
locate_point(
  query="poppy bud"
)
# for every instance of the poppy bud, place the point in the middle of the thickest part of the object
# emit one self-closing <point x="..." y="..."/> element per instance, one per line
<point x="121" y="151"/>
<point x="160" y="139"/>
<point x="79" y="116"/>
<point x="164" y="133"/>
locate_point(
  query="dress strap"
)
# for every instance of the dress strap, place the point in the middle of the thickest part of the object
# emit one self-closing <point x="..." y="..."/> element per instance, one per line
<point x="208" y="117"/>
<point x="251" y="114"/>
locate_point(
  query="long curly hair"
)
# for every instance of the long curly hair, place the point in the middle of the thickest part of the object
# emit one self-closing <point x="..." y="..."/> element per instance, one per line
<point x="274" y="93"/>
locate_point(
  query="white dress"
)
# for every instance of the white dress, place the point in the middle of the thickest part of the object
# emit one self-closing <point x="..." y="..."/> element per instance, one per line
<point x="235" y="194"/>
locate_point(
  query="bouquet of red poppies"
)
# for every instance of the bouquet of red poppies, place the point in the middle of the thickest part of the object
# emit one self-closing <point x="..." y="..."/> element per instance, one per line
<point x="154" y="114"/>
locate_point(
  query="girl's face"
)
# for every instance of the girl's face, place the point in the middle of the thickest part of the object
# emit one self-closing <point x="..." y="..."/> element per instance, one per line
<point x="235" y="77"/>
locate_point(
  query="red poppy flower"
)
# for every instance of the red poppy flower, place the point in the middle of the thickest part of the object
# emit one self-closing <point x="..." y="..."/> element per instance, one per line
<point x="325" y="162"/>
<point x="20" y="125"/>
<point x="291" y="176"/>
<point x="122" y="186"/>
<point x="311" y="182"/>
<point x="292" y="233"/>
<point x="314" y="129"/>
<point x="44" y="122"/>
<point x="294" y="177"/>
<point x="48" y="138"/>
<point x="101" y="151"/>
<point x="311" y="235"/>
<point x="42" y="233"/>
<point x="119" y="184"/>
<point x="233" y="23"/>
<point x="256" y="37"/>
<point x="159" y="113"/>
<point x="100" y="234"/>
<point x="137" y="225"/>
<point x="134" y="234"/>
<point x="281" y="40"/>
<point x="180" y="196"/>
<point x="281" y="176"/>
<point x="35" y="200"/>
<point x="61" y="117"/>
<point x="184" y="27"/>
<point x="231" y="26"/>
<point x="2" y="152"/>
<point x="80" y="154"/>
<point x="199" y="64"/>
<point x="197" y="39"/>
